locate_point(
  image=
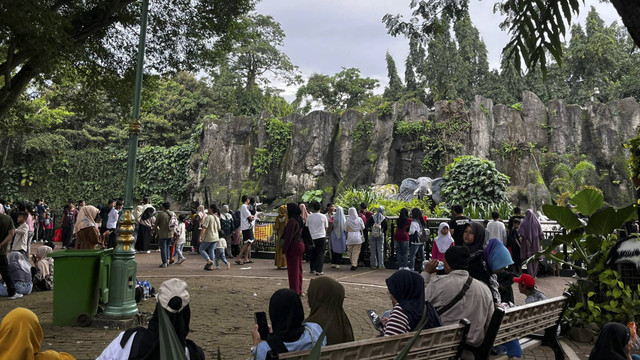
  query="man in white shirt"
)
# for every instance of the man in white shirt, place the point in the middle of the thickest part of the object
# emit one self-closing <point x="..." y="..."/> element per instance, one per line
<point x="246" y="225"/>
<point x="496" y="228"/>
<point x="317" y="224"/>
<point x="112" y="224"/>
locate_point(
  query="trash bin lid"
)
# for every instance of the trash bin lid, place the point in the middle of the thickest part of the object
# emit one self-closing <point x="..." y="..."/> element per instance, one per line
<point x="80" y="253"/>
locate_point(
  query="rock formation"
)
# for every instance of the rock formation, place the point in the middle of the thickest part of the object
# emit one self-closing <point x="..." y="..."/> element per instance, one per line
<point x="332" y="152"/>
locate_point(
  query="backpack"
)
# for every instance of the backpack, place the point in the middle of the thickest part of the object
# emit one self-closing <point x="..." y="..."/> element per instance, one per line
<point x="424" y="235"/>
<point x="173" y="221"/>
<point x="236" y="219"/>
<point x="376" y="229"/>
<point x="188" y="225"/>
<point x="226" y="225"/>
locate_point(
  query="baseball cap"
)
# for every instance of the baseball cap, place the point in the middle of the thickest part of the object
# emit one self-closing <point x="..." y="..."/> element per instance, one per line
<point x="526" y="280"/>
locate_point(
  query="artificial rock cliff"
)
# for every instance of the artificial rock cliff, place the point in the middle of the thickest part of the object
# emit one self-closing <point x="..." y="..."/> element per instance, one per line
<point x="327" y="151"/>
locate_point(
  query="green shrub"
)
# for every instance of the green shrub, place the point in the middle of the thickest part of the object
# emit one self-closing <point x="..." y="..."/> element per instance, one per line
<point x="353" y="198"/>
<point x="471" y="180"/>
<point x="392" y="207"/>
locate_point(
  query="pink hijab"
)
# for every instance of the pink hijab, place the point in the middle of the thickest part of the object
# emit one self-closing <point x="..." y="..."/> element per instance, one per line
<point x="530" y="228"/>
<point x="304" y="214"/>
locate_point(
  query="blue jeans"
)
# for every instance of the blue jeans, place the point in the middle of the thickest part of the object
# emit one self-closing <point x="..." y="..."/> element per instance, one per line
<point x="376" y="245"/>
<point x="206" y="249"/>
<point x="179" y="251"/>
<point x="22" y="287"/>
<point x="413" y="250"/>
<point x="220" y="255"/>
<point x="402" y="252"/>
<point x="163" y="244"/>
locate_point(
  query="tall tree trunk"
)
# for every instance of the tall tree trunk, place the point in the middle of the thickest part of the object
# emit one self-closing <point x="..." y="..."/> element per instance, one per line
<point x="10" y="92"/>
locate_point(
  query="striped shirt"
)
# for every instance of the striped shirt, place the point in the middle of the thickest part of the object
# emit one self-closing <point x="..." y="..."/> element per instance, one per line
<point x="398" y="322"/>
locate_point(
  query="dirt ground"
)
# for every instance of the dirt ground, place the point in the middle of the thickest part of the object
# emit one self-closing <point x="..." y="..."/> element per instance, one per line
<point x="223" y="303"/>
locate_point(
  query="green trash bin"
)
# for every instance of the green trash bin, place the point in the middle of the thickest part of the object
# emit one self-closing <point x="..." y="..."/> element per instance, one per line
<point x="80" y="281"/>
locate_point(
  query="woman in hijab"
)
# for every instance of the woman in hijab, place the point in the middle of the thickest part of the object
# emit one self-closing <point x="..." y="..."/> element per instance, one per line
<point x="401" y="238"/>
<point x="530" y="236"/>
<point x="20" y="271"/>
<point x="303" y="212"/>
<point x="473" y="238"/>
<point x="281" y="223"/>
<point x="498" y="259"/>
<point x="43" y="279"/>
<point x="326" y="297"/>
<point x="140" y="343"/>
<point x="293" y="247"/>
<point x="406" y="290"/>
<point x="378" y="225"/>
<point x="354" y="228"/>
<point x="442" y="242"/>
<point x="289" y="332"/>
<point x="614" y="343"/>
<point x="21" y="336"/>
<point x="338" y="238"/>
<point x="86" y="229"/>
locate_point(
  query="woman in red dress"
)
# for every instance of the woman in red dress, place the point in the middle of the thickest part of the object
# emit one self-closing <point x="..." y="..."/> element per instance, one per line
<point x="293" y="247"/>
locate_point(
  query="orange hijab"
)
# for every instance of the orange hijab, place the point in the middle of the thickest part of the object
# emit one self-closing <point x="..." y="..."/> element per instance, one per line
<point x="21" y="335"/>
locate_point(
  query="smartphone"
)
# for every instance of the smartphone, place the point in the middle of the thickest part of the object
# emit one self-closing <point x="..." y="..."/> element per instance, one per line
<point x="263" y="327"/>
<point x="375" y="320"/>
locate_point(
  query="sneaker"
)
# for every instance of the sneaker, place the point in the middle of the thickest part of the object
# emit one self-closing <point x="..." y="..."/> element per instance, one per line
<point x="333" y="266"/>
<point x="353" y="268"/>
<point x="218" y="267"/>
<point x="148" y="251"/>
<point x="164" y="265"/>
<point x="181" y="261"/>
<point x="15" y="296"/>
<point x="337" y="266"/>
<point x="319" y="273"/>
<point x="381" y="267"/>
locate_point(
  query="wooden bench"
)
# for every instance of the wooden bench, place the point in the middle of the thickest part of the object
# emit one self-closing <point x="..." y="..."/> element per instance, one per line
<point x="445" y="342"/>
<point x="525" y="323"/>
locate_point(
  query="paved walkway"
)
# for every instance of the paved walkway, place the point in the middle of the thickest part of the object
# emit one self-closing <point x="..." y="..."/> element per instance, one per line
<point x="223" y="302"/>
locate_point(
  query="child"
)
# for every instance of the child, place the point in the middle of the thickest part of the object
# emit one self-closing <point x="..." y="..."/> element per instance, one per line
<point x="180" y="233"/>
<point x="221" y="247"/>
<point x="21" y="237"/>
<point x="513" y="244"/>
<point x="47" y="224"/>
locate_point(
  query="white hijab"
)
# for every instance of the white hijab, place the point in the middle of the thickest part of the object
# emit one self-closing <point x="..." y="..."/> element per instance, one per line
<point x="339" y="222"/>
<point x="353" y="220"/>
<point x="443" y="241"/>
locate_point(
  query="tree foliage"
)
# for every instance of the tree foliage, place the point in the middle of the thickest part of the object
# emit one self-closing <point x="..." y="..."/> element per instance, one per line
<point x="536" y="27"/>
<point x="395" y="88"/>
<point x="45" y="38"/>
<point x="344" y="90"/>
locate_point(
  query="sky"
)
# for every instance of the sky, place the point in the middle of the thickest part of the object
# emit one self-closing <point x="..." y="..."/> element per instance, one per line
<point x="322" y="36"/>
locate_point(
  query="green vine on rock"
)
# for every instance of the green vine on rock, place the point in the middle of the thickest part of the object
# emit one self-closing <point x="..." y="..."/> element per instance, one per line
<point x="362" y="131"/>
<point x="278" y="138"/>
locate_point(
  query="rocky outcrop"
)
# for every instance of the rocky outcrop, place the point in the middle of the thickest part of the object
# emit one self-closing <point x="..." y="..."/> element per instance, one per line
<point x="331" y="152"/>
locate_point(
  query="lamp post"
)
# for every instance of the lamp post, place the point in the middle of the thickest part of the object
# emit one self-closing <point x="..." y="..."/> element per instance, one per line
<point x="122" y="283"/>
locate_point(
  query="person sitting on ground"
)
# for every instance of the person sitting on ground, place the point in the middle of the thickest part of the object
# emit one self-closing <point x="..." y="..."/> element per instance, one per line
<point x="614" y="343"/>
<point x="442" y="242"/>
<point x="21" y="336"/>
<point x="20" y="241"/>
<point x="476" y="304"/>
<point x="326" y="297"/>
<point x="86" y="229"/>
<point x="527" y="286"/>
<point x="406" y="290"/>
<point x="43" y="277"/>
<point x="20" y="270"/>
<point x="288" y="330"/>
<point x="140" y="343"/>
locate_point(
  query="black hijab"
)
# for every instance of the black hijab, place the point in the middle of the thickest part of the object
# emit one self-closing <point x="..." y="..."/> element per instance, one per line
<point x="403" y="217"/>
<point x="294" y="212"/>
<point x="611" y="343"/>
<point x="408" y="288"/>
<point x="146" y="344"/>
<point x="478" y="237"/>
<point x="287" y="317"/>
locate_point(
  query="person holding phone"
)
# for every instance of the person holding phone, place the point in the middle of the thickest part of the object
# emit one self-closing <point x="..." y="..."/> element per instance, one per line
<point x="288" y="331"/>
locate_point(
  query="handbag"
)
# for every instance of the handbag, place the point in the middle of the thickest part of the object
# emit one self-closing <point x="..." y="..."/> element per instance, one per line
<point x="57" y="235"/>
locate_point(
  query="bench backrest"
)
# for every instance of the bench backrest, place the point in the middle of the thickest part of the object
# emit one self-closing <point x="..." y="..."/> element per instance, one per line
<point x="533" y="318"/>
<point x="443" y="342"/>
<point x="520" y="321"/>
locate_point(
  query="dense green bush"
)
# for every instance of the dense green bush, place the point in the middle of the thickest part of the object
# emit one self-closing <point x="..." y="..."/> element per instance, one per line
<point x="471" y="180"/>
